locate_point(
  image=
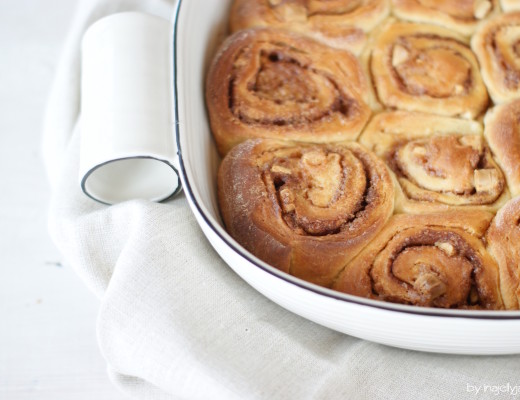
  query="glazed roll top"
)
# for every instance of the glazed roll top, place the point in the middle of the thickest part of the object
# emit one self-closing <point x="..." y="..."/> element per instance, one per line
<point x="426" y="68"/>
<point x="440" y="163"/>
<point x="460" y="16"/>
<point x="497" y="46"/>
<point x="275" y="84"/>
<point x="431" y="260"/>
<point x="337" y="23"/>
<point x="305" y="209"/>
<point x="503" y="237"/>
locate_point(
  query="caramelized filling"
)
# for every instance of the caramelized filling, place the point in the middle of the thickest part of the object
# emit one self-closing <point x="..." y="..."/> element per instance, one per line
<point x="435" y="70"/>
<point x="285" y="90"/>
<point x="320" y="190"/>
<point x="428" y="267"/>
<point x="448" y="169"/>
<point x="284" y="81"/>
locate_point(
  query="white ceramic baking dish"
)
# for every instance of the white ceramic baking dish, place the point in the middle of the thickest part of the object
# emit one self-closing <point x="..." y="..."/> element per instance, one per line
<point x="199" y="26"/>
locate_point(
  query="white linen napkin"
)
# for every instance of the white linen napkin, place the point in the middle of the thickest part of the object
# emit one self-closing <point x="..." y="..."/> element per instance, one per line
<point x="176" y="323"/>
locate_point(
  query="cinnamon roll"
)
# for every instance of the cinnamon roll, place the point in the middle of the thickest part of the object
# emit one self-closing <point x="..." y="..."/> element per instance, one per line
<point x="503" y="238"/>
<point x="305" y="209"/>
<point x="337" y="23"/>
<point x="460" y="16"/>
<point x="275" y="84"/>
<point x="426" y="68"/>
<point x="497" y="46"/>
<point x="502" y="131"/>
<point x="439" y="163"/>
<point x="430" y="260"/>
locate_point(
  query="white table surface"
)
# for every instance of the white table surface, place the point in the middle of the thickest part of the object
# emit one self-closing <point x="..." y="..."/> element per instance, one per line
<point x="48" y="346"/>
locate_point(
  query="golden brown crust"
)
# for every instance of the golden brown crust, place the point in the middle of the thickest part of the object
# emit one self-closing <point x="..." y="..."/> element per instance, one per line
<point x="270" y="83"/>
<point x="426" y="68"/>
<point x="432" y="260"/>
<point x="338" y="23"/>
<point x="502" y="131"/>
<point x="439" y="163"/>
<point x="503" y="238"/>
<point x="497" y="46"/>
<point x="305" y="209"/>
<point x="286" y="98"/>
<point x="460" y="16"/>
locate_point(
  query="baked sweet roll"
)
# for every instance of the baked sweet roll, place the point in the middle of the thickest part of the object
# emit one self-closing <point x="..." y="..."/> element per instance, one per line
<point x="337" y="23"/>
<point x="426" y="68"/>
<point x="305" y="209"/>
<point x="503" y="238"/>
<point x="440" y="163"/>
<point x="510" y="5"/>
<point x="502" y="131"/>
<point x="276" y="84"/>
<point x="460" y="16"/>
<point x="497" y="46"/>
<point x="430" y="260"/>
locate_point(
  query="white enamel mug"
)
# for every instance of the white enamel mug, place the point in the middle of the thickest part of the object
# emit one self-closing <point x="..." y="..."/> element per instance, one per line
<point x="128" y="148"/>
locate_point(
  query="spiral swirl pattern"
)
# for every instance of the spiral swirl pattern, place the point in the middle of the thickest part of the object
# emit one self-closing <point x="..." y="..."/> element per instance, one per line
<point x="320" y="203"/>
<point x="427" y="68"/>
<point x="433" y="260"/>
<point x="497" y="46"/>
<point x="274" y="84"/>
<point x="439" y="162"/>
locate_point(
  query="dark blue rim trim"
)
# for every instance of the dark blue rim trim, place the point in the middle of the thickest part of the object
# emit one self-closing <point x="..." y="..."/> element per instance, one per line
<point x="189" y="192"/>
<point x="90" y="171"/>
